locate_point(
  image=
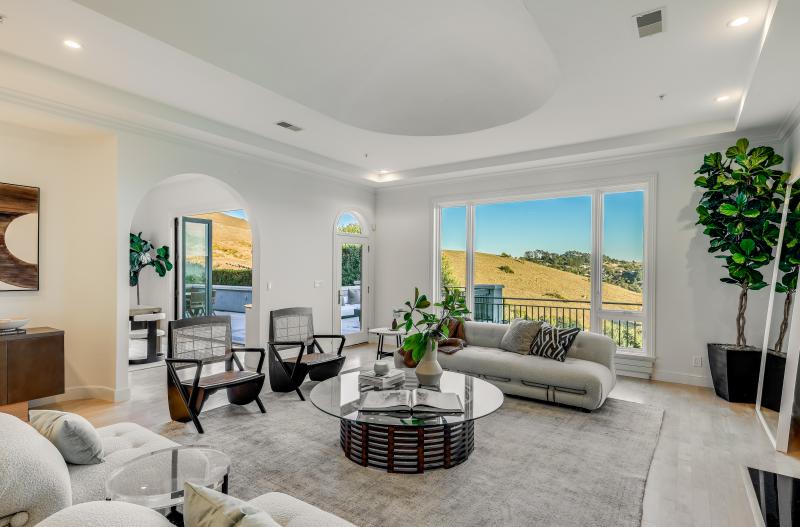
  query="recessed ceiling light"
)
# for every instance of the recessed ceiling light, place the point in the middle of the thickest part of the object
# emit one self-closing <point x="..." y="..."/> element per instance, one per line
<point x="723" y="98"/>
<point x="737" y="22"/>
<point x="384" y="171"/>
<point x="72" y="44"/>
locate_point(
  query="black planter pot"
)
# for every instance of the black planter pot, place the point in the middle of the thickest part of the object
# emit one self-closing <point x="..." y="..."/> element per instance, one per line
<point x="734" y="370"/>
<point x="773" y="381"/>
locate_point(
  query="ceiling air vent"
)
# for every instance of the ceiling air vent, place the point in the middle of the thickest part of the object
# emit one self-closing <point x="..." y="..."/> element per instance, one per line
<point x="289" y="126"/>
<point x="650" y="23"/>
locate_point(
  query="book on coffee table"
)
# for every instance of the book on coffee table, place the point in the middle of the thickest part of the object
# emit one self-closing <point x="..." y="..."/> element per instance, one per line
<point x="419" y="401"/>
<point x="369" y="378"/>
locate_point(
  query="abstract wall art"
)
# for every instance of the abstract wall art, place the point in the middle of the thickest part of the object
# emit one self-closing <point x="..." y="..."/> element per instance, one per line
<point x="19" y="238"/>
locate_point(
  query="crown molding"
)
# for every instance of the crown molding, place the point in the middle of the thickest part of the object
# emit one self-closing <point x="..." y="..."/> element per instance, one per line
<point x="584" y="155"/>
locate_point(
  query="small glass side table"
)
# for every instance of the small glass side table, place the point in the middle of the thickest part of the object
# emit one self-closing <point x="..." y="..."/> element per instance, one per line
<point x="155" y="480"/>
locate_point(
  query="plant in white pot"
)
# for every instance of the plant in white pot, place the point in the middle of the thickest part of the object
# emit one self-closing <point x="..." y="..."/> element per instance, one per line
<point x="426" y="327"/>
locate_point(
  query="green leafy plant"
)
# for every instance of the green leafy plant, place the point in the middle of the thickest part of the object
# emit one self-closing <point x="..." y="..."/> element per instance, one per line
<point x="506" y="269"/>
<point x="430" y="325"/>
<point x="738" y="208"/>
<point x="143" y="254"/>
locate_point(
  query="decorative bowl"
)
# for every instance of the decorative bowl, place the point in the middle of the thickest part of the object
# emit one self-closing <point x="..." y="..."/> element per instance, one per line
<point x="13" y="323"/>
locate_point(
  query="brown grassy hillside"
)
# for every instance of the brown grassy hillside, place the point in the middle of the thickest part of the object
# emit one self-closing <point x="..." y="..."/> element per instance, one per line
<point x="232" y="242"/>
<point x="532" y="280"/>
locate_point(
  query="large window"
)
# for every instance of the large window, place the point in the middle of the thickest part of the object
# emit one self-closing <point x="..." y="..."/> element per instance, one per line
<point x="571" y="260"/>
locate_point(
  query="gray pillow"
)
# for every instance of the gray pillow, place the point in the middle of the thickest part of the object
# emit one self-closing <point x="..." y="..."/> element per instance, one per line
<point x="203" y="507"/>
<point x="73" y="436"/>
<point x="520" y="335"/>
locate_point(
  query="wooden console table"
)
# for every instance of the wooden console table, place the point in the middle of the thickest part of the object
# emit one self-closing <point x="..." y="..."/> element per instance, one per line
<point x="31" y="367"/>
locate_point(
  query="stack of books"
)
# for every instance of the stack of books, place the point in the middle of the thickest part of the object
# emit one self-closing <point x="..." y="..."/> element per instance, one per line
<point x="369" y="378"/>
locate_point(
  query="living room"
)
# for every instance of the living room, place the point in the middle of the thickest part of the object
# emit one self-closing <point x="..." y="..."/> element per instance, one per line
<point x="531" y="183"/>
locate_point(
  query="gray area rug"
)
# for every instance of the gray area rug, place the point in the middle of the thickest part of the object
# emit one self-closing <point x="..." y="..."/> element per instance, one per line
<point x="534" y="465"/>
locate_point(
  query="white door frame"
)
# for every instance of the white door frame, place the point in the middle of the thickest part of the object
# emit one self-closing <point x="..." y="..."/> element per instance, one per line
<point x="362" y="239"/>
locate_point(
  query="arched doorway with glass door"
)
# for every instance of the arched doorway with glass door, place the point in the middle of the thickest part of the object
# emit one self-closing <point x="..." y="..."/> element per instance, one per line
<point x="350" y="277"/>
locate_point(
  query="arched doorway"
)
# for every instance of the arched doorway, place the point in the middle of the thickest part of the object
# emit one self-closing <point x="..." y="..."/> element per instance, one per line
<point x="205" y="231"/>
<point x="351" y="250"/>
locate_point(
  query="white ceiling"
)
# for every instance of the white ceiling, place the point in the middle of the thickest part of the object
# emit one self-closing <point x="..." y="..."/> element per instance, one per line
<point x="415" y="87"/>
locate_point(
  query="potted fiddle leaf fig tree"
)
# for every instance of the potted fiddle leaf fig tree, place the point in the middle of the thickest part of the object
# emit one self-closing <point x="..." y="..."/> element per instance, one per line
<point x="143" y="254"/>
<point x="742" y="193"/>
<point x="428" y="328"/>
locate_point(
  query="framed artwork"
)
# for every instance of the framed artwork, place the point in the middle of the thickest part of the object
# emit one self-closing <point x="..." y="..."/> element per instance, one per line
<point x="19" y="238"/>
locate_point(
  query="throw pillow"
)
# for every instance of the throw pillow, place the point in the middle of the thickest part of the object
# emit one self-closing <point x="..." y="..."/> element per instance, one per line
<point x="553" y="343"/>
<point x="73" y="436"/>
<point x="203" y="507"/>
<point x="519" y="336"/>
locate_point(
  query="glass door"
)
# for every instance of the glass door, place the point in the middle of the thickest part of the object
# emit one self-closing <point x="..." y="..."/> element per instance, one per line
<point x="350" y="288"/>
<point x="196" y="297"/>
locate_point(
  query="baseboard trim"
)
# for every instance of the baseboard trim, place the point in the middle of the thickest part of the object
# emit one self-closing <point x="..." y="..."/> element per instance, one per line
<point x="85" y="392"/>
<point x="682" y="378"/>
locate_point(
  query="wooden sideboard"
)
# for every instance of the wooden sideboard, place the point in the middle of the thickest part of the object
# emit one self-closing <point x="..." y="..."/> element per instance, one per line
<point x="31" y="367"/>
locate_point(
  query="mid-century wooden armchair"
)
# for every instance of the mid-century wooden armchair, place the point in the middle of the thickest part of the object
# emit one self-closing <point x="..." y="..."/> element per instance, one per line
<point x="293" y="328"/>
<point x="199" y="341"/>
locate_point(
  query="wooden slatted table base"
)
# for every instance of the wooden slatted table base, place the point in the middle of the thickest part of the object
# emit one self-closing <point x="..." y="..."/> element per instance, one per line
<point x="410" y="449"/>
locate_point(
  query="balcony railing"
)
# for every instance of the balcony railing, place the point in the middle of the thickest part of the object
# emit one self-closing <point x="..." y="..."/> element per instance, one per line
<point x="560" y="313"/>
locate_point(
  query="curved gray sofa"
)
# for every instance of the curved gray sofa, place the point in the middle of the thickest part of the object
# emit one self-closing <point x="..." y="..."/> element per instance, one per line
<point x="583" y="380"/>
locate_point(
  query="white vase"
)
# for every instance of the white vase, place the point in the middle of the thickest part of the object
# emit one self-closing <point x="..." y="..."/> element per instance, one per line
<point x="429" y="371"/>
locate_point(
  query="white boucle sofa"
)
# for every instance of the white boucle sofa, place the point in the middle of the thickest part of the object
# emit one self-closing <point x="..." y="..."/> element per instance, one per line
<point x="36" y="483"/>
<point x="584" y="379"/>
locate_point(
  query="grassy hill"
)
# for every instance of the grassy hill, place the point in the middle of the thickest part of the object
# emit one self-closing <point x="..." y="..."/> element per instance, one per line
<point x="532" y="280"/>
<point x="232" y="242"/>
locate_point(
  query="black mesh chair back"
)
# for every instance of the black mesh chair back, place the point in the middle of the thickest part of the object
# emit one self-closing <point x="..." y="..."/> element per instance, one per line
<point x="293" y="328"/>
<point x="207" y="339"/>
<point x="294" y="324"/>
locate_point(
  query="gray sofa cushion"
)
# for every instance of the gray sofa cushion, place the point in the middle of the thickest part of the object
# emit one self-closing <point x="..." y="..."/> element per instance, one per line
<point x="291" y="512"/>
<point x="484" y="334"/>
<point x="520" y="335"/>
<point x="73" y="436"/>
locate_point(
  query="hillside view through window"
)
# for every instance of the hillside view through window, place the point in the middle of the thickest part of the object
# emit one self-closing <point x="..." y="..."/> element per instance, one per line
<point x="533" y="259"/>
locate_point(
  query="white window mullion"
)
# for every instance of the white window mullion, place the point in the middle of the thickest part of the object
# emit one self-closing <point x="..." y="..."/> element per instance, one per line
<point x="596" y="278"/>
<point x="470" y="257"/>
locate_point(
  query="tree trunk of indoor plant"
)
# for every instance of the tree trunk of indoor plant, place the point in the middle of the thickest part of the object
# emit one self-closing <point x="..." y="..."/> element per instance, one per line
<point x="429" y="371"/>
<point x="741" y="339"/>
<point x="787" y="306"/>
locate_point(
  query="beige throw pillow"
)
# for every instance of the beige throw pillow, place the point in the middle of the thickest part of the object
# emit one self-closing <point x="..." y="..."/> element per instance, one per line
<point x="520" y="335"/>
<point x="204" y="507"/>
<point x="73" y="436"/>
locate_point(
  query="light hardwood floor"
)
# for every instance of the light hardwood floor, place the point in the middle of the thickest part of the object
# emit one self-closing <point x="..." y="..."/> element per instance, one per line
<point x="695" y="479"/>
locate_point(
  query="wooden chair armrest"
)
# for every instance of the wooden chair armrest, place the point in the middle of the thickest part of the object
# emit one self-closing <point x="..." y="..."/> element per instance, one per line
<point x="293" y="343"/>
<point x="340" y="337"/>
<point x="253" y="350"/>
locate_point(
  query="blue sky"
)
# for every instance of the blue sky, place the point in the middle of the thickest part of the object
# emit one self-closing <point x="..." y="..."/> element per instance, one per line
<point x="236" y="213"/>
<point x="555" y="225"/>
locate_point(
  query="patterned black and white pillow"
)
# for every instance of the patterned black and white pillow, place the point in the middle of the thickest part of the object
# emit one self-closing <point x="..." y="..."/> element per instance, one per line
<point x="553" y="343"/>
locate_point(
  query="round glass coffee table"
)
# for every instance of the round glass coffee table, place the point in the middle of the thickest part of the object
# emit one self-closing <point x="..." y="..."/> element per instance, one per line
<point x="398" y="443"/>
<point x="156" y="479"/>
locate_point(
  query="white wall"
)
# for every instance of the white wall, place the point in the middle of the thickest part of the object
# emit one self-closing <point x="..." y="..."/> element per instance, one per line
<point x="692" y="307"/>
<point x="291" y="213"/>
<point x="77" y="247"/>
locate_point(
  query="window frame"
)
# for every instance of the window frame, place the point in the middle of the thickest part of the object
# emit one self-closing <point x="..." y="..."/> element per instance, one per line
<point x="596" y="190"/>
